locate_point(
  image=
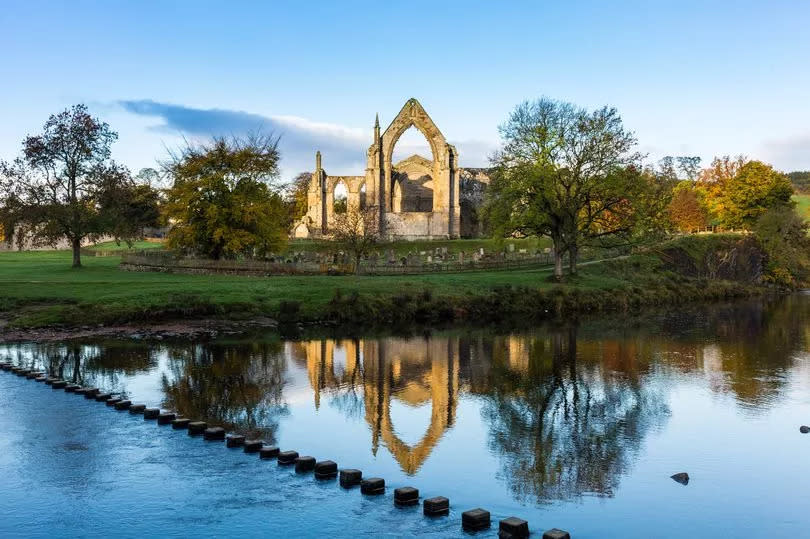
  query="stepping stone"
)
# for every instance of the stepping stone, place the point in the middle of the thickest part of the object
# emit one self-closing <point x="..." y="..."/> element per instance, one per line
<point x="436" y="506"/>
<point x="40" y="378"/>
<point x="235" y="440"/>
<point x="513" y="528"/>
<point x="268" y="452"/>
<point x="181" y="423"/>
<point x="350" y="477"/>
<point x="59" y="384"/>
<point x="304" y="464"/>
<point x="286" y="458"/>
<point x="122" y="405"/>
<point x="372" y="486"/>
<point x="554" y="533"/>
<point x="406" y="496"/>
<point x="113" y="401"/>
<point x="475" y="519"/>
<point x="253" y="446"/>
<point x="326" y="469"/>
<point x="150" y="413"/>
<point x="137" y="409"/>
<point x="91" y="392"/>
<point x="103" y="397"/>
<point x="196" y="428"/>
<point x="166" y="418"/>
<point x="214" y="433"/>
<point x="71" y="388"/>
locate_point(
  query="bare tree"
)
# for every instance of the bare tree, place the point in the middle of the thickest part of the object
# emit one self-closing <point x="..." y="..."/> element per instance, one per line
<point x="357" y="231"/>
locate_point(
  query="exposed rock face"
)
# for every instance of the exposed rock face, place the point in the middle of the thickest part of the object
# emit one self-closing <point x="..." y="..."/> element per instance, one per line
<point x="741" y="260"/>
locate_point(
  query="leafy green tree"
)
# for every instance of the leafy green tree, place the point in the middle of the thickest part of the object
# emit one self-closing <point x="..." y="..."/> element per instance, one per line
<point x="566" y="173"/>
<point x="753" y="190"/>
<point x="296" y="195"/>
<point x="222" y="203"/>
<point x="65" y="186"/>
<point x="783" y="234"/>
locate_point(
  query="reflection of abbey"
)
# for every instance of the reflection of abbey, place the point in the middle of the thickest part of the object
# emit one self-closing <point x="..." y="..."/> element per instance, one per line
<point x="416" y="198"/>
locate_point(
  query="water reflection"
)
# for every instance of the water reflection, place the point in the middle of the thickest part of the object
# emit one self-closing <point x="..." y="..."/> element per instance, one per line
<point x="364" y="376"/>
<point x="565" y="411"/>
<point x="562" y="422"/>
<point x="237" y="385"/>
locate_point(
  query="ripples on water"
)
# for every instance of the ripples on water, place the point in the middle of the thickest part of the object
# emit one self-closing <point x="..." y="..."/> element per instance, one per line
<point x="577" y="426"/>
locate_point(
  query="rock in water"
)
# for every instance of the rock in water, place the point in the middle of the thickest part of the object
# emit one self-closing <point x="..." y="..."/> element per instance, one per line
<point x="804" y="429"/>
<point x="682" y="478"/>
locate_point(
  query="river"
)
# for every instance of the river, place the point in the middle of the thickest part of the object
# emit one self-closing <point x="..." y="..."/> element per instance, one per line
<point x="574" y="426"/>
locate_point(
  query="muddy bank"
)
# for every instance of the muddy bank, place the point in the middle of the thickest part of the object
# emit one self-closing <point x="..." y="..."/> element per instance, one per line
<point x="172" y="329"/>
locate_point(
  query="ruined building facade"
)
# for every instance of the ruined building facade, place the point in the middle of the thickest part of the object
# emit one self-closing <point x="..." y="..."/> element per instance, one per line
<point x="416" y="198"/>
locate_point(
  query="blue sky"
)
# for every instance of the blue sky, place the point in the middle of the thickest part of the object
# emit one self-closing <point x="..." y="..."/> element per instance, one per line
<point x="699" y="78"/>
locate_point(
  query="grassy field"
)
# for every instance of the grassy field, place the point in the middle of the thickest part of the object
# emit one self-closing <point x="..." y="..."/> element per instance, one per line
<point x="40" y="288"/>
<point x="803" y="205"/>
<point x="112" y="246"/>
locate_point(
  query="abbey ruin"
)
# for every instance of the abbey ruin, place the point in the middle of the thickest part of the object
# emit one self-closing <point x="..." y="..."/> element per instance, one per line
<point x="416" y="198"/>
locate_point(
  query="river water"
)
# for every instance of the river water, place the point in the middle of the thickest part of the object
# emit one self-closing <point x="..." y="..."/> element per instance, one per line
<point x="576" y="426"/>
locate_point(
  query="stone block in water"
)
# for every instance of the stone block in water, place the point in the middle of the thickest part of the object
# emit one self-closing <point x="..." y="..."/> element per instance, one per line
<point x="286" y="458"/>
<point x="150" y="413"/>
<point x="195" y="428"/>
<point x="123" y="405"/>
<point x="350" y="477"/>
<point x="113" y="401"/>
<point x="181" y="423"/>
<point x="214" y="433"/>
<point x="372" y="486"/>
<point x="235" y="440"/>
<point x="137" y="409"/>
<point x="268" y="452"/>
<point x="58" y="384"/>
<point x="166" y="418"/>
<point x="103" y="397"/>
<point x="513" y="528"/>
<point x="436" y="506"/>
<point x="304" y="464"/>
<point x="253" y="446"/>
<point x="554" y="533"/>
<point x="406" y="496"/>
<point x="325" y="469"/>
<point x="475" y="519"/>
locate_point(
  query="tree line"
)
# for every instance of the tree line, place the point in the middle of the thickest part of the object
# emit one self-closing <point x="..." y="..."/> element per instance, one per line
<point x="562" y="171"/>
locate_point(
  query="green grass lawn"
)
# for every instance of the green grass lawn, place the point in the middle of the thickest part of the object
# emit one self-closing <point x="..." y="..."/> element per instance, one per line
<point x="803" y="205"/>
<point x="40" y="288"/>
<point x="112" y="246"/>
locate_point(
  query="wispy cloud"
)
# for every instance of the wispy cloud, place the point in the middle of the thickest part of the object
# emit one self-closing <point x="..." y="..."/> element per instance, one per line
<point x="343" y="148"/>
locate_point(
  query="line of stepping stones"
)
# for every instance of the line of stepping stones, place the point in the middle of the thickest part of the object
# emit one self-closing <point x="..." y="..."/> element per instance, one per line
<point x="472" y="520"/>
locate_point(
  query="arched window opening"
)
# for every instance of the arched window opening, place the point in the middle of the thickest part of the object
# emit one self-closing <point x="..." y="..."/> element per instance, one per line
<point x="413" y="173"/>
<point x="341" y="197"/>
<point x="363" y="197"/>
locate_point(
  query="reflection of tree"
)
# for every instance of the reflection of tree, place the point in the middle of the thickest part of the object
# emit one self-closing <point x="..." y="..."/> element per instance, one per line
<point x="238" y="386"/>
<point x="564" y="427"/>
<point x="103" y="364"/>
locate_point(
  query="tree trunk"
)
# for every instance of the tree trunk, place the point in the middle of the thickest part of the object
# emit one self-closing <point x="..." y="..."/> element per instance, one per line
<point x="558" y="265"/>
<point x="357" y="264"/>
<point x="77" y="252"/>
<point x="573" y="252"/>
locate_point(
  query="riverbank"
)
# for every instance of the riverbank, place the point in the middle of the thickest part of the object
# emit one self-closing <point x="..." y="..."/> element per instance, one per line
<point x="39" y="292"/>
